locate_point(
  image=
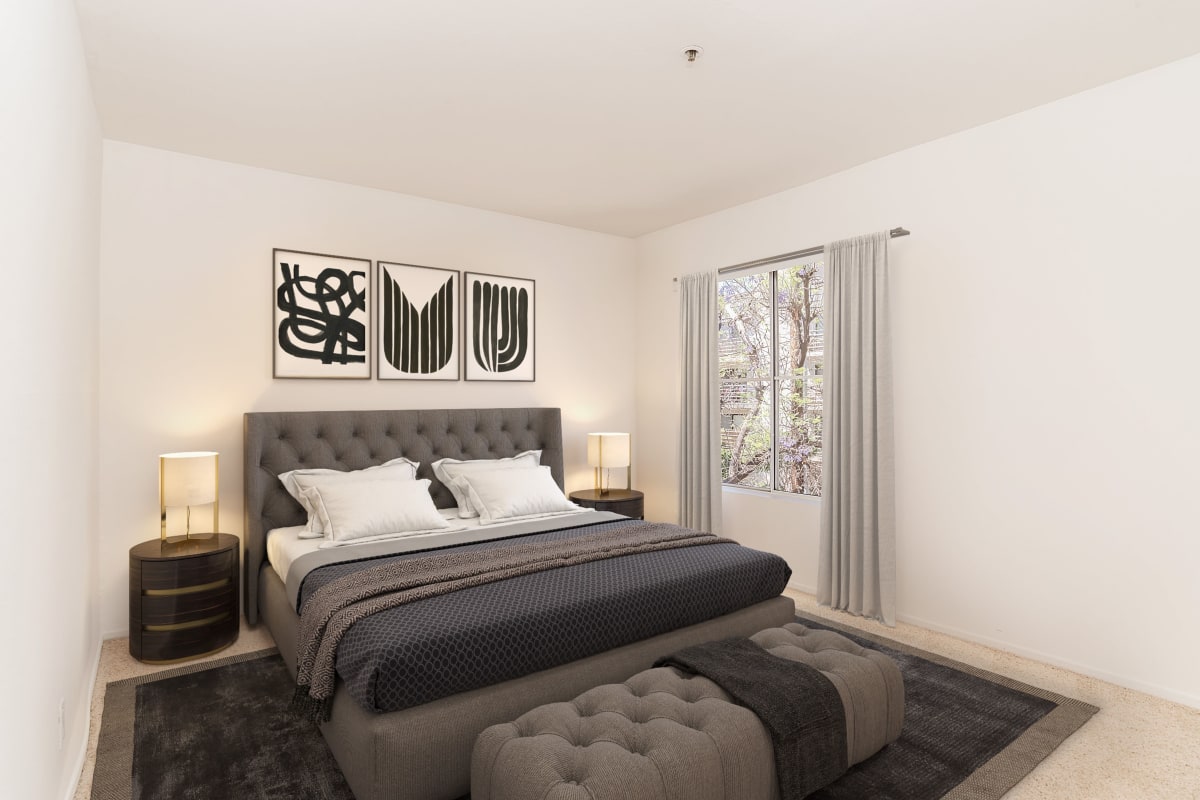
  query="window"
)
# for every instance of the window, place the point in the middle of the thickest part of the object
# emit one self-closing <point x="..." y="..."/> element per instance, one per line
<point x="771" y="352"/>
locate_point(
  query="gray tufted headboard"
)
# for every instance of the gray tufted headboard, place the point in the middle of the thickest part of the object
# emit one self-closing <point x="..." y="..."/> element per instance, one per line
<point x="278" y="441"/>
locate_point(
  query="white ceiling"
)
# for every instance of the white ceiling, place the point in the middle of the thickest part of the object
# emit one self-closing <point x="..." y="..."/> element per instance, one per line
<point x="584" y="112"/>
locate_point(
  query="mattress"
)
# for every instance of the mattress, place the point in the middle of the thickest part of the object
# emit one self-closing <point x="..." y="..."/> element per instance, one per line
<point x="285" y="545"/>
<point x="440" y="646"/>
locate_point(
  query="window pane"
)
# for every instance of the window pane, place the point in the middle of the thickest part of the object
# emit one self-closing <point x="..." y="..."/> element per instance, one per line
<point x="746" y="434"/>
<point x="744" y="335"/>
<point x="798" y="459"/>
<point x="800" y="292"/>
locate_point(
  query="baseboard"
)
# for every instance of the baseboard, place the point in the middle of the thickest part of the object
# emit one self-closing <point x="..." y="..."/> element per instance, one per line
<point x="1183" y="698"/>
<point x="81" y="759"/>
<point x="806" y="589"/>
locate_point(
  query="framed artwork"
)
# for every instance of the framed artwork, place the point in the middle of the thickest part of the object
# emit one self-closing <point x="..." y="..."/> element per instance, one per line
<point x="417" y="314"/>
<point x="322" y="315"/>
<point x="498" y="328"/>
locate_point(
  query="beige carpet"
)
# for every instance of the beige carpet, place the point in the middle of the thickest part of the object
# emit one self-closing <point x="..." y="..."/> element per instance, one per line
<point x="1137" y="748"/>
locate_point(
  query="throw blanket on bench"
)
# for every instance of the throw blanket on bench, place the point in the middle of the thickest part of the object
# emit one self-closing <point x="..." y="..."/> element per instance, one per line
<point x="800" y="707"/>
<point x="337" y="606"/>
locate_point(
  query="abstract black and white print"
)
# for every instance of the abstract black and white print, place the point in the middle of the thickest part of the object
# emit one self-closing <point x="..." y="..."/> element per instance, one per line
<point x="321" y="316"/>
<point x="499" y="328"/>
<point x="418" y="312"/>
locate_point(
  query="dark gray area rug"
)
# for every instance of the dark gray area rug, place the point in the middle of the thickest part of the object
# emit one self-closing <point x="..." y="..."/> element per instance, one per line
<point x="216" y="730"/>
<point x="224" y="729"/>
<point x="968" y="734"/>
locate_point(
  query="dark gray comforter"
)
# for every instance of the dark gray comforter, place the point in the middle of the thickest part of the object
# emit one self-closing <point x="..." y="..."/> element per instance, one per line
<point x="444" y="645"/>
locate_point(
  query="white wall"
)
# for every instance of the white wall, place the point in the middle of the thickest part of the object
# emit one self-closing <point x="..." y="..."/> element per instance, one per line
<point x="50" y="154"/>
<point x="1045" y="348"/>
<point x="185" y="319"/>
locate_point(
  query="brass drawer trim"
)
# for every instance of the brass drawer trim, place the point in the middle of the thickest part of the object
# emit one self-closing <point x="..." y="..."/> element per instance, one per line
<point x="181" y="626"/>
<point x="201" y="587"/>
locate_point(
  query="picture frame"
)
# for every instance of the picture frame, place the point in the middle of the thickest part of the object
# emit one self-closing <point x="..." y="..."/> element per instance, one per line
<point x="321" y="319"/>
<point x="499" y="327"/>
<point x="416" y="316"/>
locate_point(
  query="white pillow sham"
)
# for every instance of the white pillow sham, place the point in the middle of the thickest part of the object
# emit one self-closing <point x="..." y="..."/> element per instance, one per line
<point x="449" y="470"/>
<point x="357" y="510"/>
<point x="297" y="480"/>
<point x="506" y="494"/>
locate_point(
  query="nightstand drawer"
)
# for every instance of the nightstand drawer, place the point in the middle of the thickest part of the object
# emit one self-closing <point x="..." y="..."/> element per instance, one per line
<point x="629" y="502"/>
<point x="188" y="606"/>
<point x="185" y="642"/>
<point x="186" y="572"/>
<point x="630" y="508"/>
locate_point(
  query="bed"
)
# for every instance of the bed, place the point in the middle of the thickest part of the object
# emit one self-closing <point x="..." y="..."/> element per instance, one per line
<point x="422" y="752"/>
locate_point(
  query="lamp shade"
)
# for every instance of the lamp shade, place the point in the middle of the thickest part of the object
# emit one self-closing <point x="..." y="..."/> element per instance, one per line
<point x="188" y="479"/>
<point x="608" y="450"/>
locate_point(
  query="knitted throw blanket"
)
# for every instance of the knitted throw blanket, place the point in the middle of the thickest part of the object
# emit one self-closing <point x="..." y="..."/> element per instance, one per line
<point x="337" y="606"/>
<point x="798" y="704"/>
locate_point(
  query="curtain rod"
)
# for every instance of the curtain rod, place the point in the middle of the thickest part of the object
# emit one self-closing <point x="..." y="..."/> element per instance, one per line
<point x="894" y="233"/>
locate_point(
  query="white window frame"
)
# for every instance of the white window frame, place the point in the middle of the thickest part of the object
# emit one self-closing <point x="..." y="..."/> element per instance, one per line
<point x="774" y="379"/>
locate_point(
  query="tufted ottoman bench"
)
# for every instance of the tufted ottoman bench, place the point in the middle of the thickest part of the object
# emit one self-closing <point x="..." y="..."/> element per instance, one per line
<point x="663" y="736"/>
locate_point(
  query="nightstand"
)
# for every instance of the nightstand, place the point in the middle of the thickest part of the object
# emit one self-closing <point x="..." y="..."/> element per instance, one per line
<point x="622" y="501"/>
<point x="183" y="597"/>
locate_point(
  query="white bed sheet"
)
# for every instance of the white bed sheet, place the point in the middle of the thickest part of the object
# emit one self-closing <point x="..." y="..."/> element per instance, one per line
<point x="284" y="545"/>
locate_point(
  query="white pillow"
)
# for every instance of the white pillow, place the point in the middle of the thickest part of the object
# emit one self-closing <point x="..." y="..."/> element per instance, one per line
<point x="356" y="510"/>
<point x="508" y="494"/>
<point x="449" y="470"/>
<point x="298" y="480"/>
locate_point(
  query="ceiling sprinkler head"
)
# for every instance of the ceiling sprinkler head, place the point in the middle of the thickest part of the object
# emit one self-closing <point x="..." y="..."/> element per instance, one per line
<point x="691" y="54"/>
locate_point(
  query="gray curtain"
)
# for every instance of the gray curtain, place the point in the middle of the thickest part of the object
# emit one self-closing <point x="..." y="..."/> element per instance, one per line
<point x="857" y="568"/>
<point x="699" y="417"/>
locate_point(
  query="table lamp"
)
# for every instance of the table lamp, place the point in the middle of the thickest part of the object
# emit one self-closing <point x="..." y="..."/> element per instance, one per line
<point x="609" y="451"/>
<point x="186" y="480"/>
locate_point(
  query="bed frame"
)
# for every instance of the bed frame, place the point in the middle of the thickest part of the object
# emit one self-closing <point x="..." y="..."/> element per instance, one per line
<point x="423" y="753"/>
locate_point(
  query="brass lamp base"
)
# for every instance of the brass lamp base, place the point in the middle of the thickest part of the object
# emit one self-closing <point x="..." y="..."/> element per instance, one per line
<point x="599" y="486"/>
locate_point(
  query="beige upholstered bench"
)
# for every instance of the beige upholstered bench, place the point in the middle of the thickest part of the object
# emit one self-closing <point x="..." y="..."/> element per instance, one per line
<point x="663" y="736"/>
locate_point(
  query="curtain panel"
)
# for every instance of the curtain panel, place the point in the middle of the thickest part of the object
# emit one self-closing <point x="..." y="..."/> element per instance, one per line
<point x="699" y="417"/>
<point x="857" y="567"/>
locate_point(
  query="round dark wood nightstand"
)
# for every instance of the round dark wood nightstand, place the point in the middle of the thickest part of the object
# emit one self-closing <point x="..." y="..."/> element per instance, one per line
<point x="183" y="597"/>
<point x="623" y="501"/>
